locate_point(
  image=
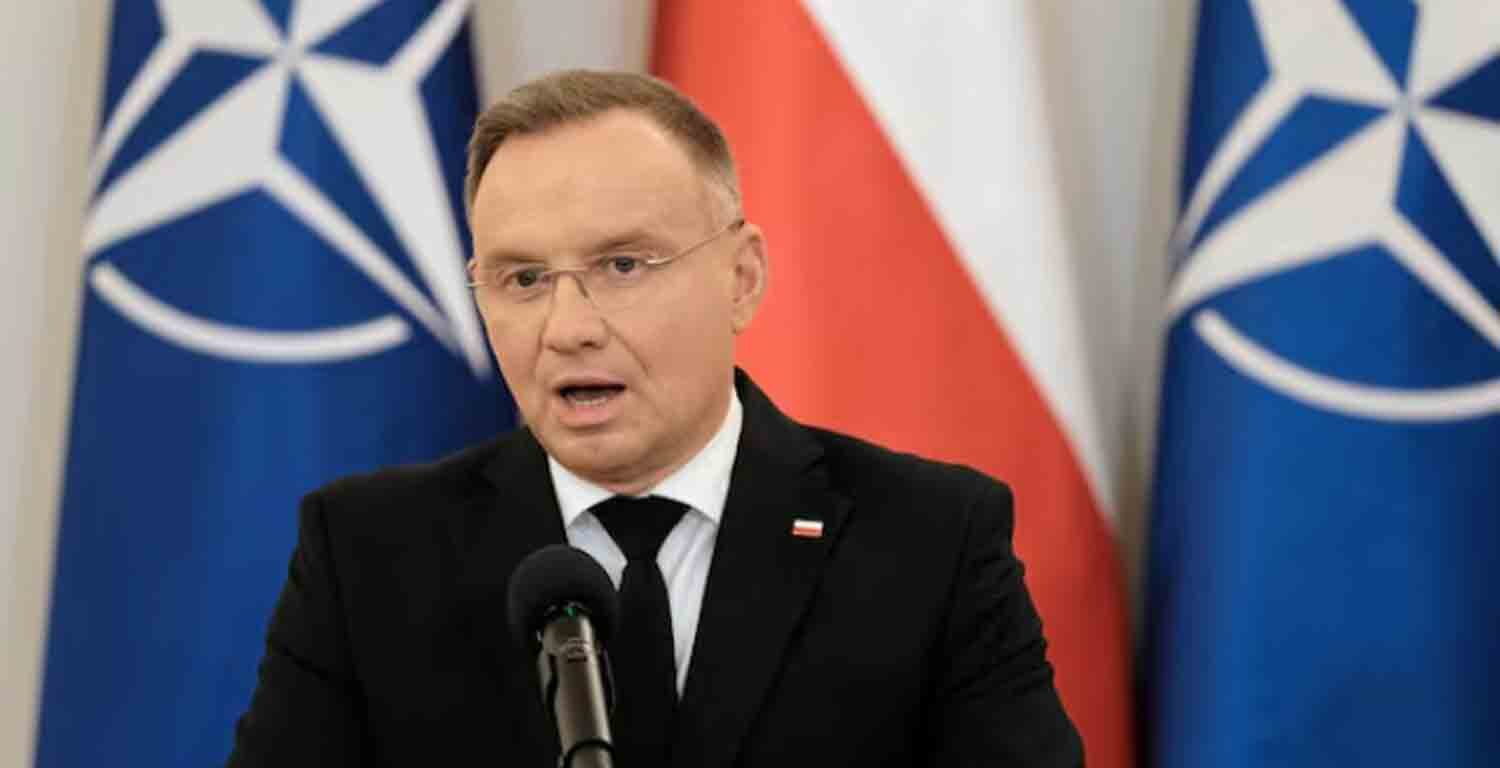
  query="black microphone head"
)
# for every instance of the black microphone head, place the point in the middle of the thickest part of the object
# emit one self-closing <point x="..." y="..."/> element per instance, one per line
<point x="554" y="576"/>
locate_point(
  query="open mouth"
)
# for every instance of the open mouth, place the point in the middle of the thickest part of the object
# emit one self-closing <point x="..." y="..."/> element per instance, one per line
<point x="587" y="395"/>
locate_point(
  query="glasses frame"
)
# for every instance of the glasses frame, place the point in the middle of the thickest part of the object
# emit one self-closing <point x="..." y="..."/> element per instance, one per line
<point x="579" y="272"/>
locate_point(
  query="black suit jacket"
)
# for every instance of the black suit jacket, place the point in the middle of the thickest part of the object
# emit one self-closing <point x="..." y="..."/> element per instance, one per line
<point x="903" y="636"/>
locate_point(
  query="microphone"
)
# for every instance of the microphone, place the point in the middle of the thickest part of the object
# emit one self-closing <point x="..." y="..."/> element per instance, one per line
<point x="562" y="599"/>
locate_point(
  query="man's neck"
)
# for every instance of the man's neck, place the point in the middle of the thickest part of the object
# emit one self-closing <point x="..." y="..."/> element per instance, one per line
<point x="686" y="478"/>
<point x="638" y="483"/>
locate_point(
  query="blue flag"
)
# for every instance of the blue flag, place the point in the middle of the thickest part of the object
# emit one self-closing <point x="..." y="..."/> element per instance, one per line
<point x="1325" y="545"/>
<point x="274" y="296"/>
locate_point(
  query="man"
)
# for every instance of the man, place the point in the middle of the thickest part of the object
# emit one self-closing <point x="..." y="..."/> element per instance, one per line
<point x="818" y="600"/>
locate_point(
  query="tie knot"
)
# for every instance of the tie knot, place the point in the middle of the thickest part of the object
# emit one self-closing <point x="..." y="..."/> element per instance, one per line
<point x="639" y="525"/>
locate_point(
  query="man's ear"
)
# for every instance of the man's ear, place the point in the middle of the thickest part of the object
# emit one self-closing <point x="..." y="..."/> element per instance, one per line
<point x="751" y="273"/>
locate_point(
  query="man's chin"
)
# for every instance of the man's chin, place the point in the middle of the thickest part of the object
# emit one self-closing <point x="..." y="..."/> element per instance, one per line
<point x="603" y="458"/>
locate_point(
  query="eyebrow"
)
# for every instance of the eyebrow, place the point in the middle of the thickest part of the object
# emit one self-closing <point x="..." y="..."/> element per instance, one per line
<point x="498" y="257"/>
<point x="626" y="239"/>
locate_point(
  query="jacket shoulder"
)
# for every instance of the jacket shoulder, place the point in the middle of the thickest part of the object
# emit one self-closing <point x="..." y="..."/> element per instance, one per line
<point x="399" y="495"/>
<point x="882" y="477"/>
<point x="865" y="463"/>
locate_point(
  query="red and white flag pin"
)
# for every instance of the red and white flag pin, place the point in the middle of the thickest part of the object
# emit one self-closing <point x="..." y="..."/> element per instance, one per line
<point x="807" y="529"/>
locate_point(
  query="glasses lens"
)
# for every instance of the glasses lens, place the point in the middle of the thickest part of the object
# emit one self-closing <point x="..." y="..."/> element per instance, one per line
<point x="620" y="280"/>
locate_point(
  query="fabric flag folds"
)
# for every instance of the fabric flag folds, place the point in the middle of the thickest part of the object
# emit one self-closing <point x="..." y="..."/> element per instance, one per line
<point x="1325" y="543"/>
<point x="898" y="159"/>
<point x="274" y="296"/>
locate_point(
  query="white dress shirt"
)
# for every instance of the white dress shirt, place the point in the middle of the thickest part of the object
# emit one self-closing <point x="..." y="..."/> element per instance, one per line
<point x="703" y="485"/>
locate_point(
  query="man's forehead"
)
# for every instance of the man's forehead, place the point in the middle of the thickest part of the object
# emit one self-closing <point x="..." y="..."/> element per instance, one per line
<point x="590" y="179"/>
<point x="617" y="140"/>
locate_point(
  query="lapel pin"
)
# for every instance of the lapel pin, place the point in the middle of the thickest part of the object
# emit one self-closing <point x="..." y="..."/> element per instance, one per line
<point x="807" y="529"/>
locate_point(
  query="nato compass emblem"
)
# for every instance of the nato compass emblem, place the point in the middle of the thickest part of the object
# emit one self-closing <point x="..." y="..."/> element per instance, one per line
<point x="1349" y="156"/>
<point x="255" y="133"/>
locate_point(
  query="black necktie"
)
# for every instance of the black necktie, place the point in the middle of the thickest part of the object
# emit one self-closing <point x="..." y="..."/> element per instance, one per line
<point x="642" y="655"/>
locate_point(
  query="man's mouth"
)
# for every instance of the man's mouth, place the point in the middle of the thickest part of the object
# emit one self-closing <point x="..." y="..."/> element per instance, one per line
<point x="586" y="395"/>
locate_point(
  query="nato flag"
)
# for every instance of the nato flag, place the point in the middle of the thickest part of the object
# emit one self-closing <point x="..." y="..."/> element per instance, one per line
<point x="1325" y="545"/>
<point x="274" y="296"/>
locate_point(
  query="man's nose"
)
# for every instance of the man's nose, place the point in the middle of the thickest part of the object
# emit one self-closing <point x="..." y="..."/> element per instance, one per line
<point x="573" y="322"/>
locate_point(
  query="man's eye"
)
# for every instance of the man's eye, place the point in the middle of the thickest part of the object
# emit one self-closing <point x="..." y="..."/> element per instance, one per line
<point x="526" y="277"/>
<point x="623" y="263"/>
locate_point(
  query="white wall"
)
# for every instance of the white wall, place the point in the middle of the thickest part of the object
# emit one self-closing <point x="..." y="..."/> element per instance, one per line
<point x="1116" y="77"/>
<point x="51" y="64"/>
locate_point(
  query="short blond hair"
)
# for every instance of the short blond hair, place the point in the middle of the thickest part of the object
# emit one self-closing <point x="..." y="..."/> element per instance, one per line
<point x="574" y="95"/>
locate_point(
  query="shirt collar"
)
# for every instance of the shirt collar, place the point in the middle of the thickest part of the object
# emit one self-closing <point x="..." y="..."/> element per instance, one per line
<point x="702" y="483"/>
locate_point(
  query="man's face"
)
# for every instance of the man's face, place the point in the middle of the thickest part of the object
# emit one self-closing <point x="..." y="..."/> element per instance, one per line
<point x="626" y="396"/>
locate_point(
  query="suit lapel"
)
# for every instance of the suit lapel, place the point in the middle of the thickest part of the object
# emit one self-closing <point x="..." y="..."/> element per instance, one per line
<point x="760" y="583"/>
<point x="493" y="536"/>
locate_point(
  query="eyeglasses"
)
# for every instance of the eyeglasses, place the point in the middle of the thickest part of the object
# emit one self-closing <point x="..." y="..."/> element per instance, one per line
<point x="613" y="281"/>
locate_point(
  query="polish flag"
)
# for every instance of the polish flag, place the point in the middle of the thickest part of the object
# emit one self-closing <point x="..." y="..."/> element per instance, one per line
<point x="923" y="293"/>
<point x="807" y="529"/>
